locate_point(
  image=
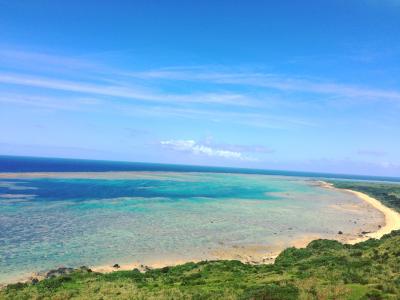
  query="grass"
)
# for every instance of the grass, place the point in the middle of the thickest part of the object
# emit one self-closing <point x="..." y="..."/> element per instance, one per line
<point x="325" y="269"/>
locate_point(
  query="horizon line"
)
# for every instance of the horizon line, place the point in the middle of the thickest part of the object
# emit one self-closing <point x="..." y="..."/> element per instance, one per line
<point x="301" y="173"/>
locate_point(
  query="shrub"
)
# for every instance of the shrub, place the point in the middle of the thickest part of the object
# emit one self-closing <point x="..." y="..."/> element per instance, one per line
<point x="272" y="292"/>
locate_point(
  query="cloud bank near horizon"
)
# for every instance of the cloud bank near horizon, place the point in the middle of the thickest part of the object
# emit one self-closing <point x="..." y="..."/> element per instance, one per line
<point x="193" y="147"/>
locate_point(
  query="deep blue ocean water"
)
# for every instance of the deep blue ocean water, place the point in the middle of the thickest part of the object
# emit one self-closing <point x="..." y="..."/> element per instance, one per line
<point x="38" y="164"/>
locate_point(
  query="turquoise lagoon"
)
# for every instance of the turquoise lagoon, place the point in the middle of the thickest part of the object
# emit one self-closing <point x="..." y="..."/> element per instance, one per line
<point x="49" y="220"/>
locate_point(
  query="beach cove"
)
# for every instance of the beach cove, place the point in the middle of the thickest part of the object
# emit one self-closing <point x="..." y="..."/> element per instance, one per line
<point x="155" y="219"/>
<point x="249" y="255"/>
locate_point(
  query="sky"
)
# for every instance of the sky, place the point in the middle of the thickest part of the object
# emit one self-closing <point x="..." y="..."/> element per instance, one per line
<point x="289" y="85"/>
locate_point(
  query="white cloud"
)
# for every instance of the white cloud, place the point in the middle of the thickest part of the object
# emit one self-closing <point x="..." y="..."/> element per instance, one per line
<point x="215" y="94"/>
<point x="271" y="81"/>
<point x="49" y="102"/>
<point x="214" y="75"/>
<point x="126" y="91"/>
<point x="199" y="149"/>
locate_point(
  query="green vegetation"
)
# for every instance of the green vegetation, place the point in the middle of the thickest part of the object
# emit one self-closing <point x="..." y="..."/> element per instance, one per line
<point x="325" y="269"/>
<point x="387" y="193"/>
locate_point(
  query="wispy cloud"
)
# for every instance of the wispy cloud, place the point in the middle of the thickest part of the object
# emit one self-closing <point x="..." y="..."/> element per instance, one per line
<point x="82" y="103"/>
<point x="50" y="102"/>
<point x="209" y="141"/>
<point x="259" y="120"/>
<point x="215" y="94"/>
<point x="245" y="148"/>
<point x="232" y="99"/>
<point x="193" y="147"/>
<point x="216" y="75"/>
<point x="271" y="81"/>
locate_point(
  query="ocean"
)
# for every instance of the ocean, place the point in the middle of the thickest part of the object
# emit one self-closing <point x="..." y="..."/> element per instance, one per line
<point x="41" y="164"/>
<point x="61" y="212"/>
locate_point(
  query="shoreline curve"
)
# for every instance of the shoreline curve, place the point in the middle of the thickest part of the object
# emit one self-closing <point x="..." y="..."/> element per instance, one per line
<point x="391" y="216"/>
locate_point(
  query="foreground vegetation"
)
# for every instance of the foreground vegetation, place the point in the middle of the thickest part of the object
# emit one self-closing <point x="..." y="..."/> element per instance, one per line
<point x="323" y="270"/>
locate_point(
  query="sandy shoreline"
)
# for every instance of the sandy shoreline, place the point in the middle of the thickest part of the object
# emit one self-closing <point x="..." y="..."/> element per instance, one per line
<point x="392" y="222"/>
<point x="263" y="255"/>
<point x="252" y="254"/>
<point x="392" y="217"/>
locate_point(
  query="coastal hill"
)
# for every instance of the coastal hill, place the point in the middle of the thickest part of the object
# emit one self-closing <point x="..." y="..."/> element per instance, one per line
<point x="325" y="269"/>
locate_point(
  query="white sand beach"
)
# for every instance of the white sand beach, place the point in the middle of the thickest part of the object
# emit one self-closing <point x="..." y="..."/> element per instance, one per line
<point x="258" y="254"/>
<point x="252" y="255"/>
<point x="392" y="217"/>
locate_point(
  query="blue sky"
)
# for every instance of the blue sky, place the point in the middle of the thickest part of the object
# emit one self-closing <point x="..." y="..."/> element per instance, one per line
<point x="296" y="85"/>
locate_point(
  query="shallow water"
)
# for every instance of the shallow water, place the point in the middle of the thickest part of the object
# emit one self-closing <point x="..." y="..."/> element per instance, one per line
<point x="102" y="218"/>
